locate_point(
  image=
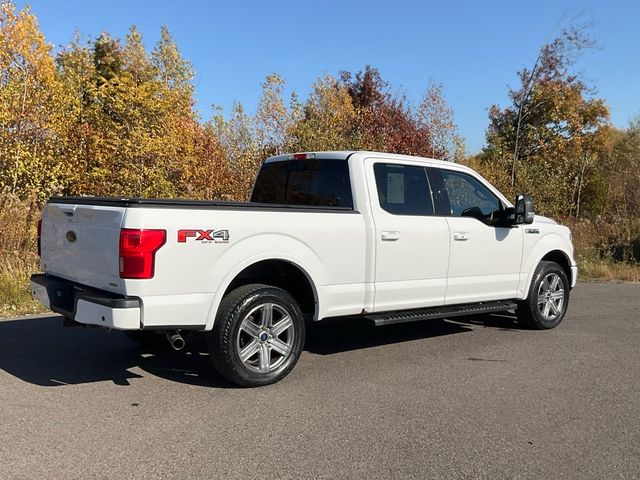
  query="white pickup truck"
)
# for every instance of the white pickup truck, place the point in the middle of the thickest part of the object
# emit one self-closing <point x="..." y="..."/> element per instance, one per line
<point x="327" y="234"/>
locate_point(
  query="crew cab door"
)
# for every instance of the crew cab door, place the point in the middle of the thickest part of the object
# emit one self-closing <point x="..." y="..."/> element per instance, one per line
<point x="485" y="254"/>
<point x="411" y="244"/>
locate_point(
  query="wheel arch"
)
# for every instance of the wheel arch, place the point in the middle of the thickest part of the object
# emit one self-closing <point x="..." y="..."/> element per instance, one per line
<point x="561" y="258"/>
<point x="551" y="247"/>
<point x="283" y="274"/>
<point x="277" y="271"/>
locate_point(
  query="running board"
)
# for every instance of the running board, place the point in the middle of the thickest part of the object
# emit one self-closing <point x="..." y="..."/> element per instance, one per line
<point x="403" y="316"/>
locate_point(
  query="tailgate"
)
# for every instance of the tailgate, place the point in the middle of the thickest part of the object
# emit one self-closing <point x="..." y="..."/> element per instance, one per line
<point x="80" y="243"/>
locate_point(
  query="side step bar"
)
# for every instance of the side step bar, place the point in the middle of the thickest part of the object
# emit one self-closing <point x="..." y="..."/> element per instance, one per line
<point x="390" y="318"/>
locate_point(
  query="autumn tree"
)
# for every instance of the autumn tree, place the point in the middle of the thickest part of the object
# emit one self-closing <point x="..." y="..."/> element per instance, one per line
<point x="546" y="141"/>
<point x="107" y="58"/>
<point x="105" y="116"/>
<point x="386" y="122"/>
<point x="621" y="169"/>
<point x="328" y="119"/>
<point x="359" y="112"/>
<point x="273" y="120"/>
<point x="238" y="141"/>
<point x="136" y="59"/>
<point x="135" y="130"/>
<point x="77" y="74"/>
<point x="612" y="197"/>
<point x="31" y="124"/>
<point x="436" y="116"/>
<point x="173" y="69"/>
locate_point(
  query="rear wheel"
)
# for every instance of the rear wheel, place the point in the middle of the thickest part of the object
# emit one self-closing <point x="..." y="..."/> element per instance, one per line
<point x="548" y="298"/>
<point x="258" y="335"/>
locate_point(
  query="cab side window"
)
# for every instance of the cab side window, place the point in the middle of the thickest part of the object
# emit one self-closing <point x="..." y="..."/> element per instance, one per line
<point x="461" y="195"/>
<point x="403" y="189"/>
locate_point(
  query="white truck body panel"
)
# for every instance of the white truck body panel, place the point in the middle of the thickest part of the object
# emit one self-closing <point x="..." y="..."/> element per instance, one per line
<point x="327" y="246"/>
<point x="485" y="263"/>
<point x="551" y="237"/>
<point x="359" y="261"/>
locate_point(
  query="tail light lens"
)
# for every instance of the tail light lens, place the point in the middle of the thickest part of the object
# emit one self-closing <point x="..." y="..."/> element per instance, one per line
<point x="138" y="252"/>
<point x="39" y="234"/>
<point x="302" y="156"/>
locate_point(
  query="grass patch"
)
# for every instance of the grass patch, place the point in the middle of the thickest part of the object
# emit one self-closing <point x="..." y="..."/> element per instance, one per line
<point x="15" y="295"/>
<point x="604" y="251"/>
<point x="18" y="259"/>
<point x="606" y="269"/>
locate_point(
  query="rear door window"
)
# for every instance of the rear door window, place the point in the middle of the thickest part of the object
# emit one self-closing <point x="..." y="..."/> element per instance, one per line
<point x="403" y="189"/>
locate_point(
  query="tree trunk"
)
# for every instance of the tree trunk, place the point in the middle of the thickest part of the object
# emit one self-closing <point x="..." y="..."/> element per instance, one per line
<point x="580" y="181"/>
<point x="526" y="91"/>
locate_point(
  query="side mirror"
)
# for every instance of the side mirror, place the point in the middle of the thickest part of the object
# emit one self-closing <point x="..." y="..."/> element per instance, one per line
<point x="523" y="210"/>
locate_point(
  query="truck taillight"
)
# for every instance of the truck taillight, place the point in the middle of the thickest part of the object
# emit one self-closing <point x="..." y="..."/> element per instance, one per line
<point x="39" y="234"/>
<point x="138" y="251"/>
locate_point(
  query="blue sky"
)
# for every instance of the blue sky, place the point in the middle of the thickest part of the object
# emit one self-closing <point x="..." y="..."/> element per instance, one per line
<point x="474" y="48"/>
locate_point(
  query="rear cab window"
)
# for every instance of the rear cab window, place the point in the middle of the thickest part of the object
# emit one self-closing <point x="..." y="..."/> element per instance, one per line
<point x="308" y="182"/>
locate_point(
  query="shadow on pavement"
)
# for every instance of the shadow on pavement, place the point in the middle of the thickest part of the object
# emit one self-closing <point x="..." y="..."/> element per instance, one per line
<point x="345" y="334"/>
<point x="502" y="321"/>
<point x="42" y="352"/>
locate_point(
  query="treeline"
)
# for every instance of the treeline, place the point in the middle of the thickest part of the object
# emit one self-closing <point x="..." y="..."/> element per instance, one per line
<point x="108" y="117"/>
<point x="555" y="141"/>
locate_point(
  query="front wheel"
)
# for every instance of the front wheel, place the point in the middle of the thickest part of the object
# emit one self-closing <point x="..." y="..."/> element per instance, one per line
<point x="548" y="298"/>
<point x="258" y="335"/>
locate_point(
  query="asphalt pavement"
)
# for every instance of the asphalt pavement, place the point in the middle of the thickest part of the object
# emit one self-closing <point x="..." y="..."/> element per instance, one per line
<point x="472" y="398"/>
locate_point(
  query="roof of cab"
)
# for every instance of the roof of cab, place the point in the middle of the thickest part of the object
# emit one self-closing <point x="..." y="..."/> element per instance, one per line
<point x="345" y="154"/>
<point x="333" y="155"/>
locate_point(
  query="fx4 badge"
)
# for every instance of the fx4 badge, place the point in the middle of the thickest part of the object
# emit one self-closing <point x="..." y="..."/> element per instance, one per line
<point x="203" y="236"/>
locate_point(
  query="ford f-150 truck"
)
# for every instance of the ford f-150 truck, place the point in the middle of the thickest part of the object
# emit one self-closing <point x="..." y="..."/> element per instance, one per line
<point x="392" y="238"/>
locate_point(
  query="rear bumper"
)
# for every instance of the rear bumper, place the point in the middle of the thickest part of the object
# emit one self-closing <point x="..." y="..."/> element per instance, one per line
<point x="574" y="275"/>
<point x="86" y="305"/>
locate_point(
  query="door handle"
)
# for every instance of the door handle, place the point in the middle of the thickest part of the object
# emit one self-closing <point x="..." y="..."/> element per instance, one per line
<point x="461" y="236"/>
<point x="390" y="236"/>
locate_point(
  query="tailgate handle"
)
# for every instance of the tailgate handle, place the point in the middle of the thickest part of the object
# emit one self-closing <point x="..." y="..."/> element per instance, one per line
<point x="68" y="211"/>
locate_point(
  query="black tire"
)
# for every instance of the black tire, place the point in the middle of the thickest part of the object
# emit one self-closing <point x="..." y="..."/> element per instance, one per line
<point x="548" y="314"/>
<point x="242" y="307"/>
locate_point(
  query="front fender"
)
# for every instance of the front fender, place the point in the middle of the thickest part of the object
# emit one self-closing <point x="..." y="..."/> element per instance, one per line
<point x="551" y="241"/>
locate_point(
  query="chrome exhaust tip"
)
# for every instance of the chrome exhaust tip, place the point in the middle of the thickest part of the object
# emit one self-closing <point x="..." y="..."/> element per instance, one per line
<point x="175" y="340"/>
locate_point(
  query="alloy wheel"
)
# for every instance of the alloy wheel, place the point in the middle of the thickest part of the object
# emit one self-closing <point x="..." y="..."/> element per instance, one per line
<point x="551" y="296"/>
<point x="265" y="337"/>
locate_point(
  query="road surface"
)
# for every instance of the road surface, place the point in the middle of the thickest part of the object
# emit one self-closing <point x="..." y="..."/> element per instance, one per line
<point x="471" y="398"/>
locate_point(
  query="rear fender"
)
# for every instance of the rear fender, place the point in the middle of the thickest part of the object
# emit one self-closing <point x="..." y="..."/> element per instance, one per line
<point x="261" y="247"/>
